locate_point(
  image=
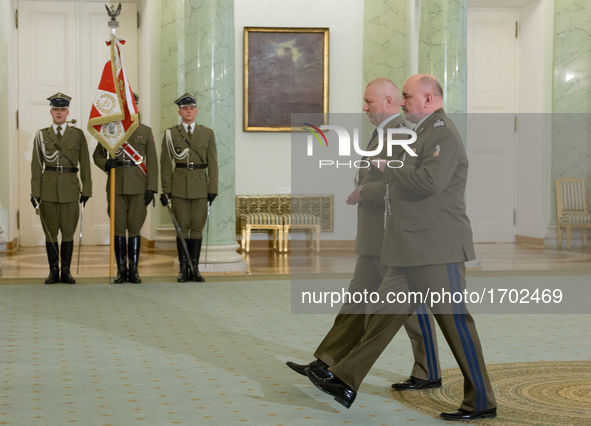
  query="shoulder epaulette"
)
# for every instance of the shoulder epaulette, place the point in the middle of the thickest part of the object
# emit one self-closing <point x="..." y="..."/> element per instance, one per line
<point x="439" y="123"/>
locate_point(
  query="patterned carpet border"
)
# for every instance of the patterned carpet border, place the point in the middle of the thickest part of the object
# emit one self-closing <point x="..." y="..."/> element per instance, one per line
<point x="528" y="393"/>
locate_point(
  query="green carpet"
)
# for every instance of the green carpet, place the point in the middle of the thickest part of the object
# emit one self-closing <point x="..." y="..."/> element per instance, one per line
<point x="214" y="353"/>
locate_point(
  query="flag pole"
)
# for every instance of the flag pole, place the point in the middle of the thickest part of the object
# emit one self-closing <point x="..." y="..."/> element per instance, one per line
<point x="112" y="233"/>
<point x="113" y="116"/>
<point x="113" y="24"/>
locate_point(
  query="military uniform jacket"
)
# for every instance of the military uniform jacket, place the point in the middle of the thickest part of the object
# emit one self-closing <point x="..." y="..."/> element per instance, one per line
<point x="73" y="152"/>
<point x="428" y="224"/>
<point x="132" y="180"/>
<point x="190" y="182"/>
<point x="370" y="211"/>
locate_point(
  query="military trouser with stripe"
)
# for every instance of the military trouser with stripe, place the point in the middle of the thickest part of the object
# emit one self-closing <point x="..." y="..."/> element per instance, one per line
<point x="456" y="323"/>
<point x="350" y="323"/>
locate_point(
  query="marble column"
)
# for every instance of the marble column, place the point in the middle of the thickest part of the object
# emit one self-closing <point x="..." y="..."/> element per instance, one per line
<point x="443" y="49"/>
<point x="571" y="133"/>
<point x="197" y="54"/>
<point x="385" y="40"/>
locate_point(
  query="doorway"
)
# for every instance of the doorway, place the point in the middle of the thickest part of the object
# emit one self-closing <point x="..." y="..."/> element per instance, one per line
<point x="61" y="48"/>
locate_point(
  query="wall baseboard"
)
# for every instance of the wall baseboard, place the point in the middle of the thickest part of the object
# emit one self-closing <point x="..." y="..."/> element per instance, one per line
<point x="522" y="239"/>
<point x="348" y="245"/>
<point x="146" y="243"/>
<point x="12" y="245"/>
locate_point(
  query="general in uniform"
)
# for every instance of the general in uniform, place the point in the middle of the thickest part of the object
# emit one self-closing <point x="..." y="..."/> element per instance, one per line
<point x="427" y="242"/>
<point x="136" y="182"/>
<point x="382" y="104"/>
<point x="60" y="155"/>
<point x="189" y="175"/>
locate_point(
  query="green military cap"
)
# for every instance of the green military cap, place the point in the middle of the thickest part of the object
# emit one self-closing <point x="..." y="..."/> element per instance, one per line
<point x="59" y="100"/>
<point x="186" y="100"/>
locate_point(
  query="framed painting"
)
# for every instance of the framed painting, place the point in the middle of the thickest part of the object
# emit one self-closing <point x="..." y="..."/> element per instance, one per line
<point x="285" y="72"/>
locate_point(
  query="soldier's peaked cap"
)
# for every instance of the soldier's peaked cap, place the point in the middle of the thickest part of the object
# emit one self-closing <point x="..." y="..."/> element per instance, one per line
<point x="186" y="100"/>
<point x="59" y="100"/>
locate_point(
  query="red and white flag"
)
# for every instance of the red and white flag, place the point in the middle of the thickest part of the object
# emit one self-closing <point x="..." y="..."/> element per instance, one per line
<point x="113" y="117"/>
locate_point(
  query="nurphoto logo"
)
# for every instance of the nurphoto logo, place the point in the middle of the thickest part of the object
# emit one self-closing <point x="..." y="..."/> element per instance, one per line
<point x="394" y="137"/>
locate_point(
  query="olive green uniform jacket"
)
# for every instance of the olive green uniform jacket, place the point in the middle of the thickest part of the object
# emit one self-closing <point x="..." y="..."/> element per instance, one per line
<point x="370" y="211"/>
<point x="131" y="180"/>
<point x="199" y="150"/>
<point x="428" y="224"/>
<point x="71" y="152"/>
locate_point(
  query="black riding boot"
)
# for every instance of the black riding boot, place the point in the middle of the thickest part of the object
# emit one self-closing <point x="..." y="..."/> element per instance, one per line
<point x="66" y="252"/>
<point x="183" y="262"/>
<point x="133" y="247"/>
<point x="121" y="259"/>
<point x="53" y="259"/>
<point x="195" y="253"/>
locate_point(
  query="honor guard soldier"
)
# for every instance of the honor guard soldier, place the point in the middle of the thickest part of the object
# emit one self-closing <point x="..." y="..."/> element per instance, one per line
<point x="136" y="182"/>
<point x="59" y="153"/>
<point x="189" y="171"/>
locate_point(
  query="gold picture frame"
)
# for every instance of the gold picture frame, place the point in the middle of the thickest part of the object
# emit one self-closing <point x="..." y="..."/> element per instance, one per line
<point x="285" y="72"/>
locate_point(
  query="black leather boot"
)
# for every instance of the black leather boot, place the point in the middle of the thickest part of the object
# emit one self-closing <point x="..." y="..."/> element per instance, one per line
<point x="133" y="247"/>
<point x="183" y="262"/>
<point x="190" y="245"/>
<point x="66" y="253"/>
<point x="53" y="259"/>
<point x="121" y="259"/>
<point x="195" y="251"/>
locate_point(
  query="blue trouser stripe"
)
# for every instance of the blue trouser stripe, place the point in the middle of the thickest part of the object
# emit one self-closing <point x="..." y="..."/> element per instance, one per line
<point x="427" y="333"/>
<point x="453" y="274"/>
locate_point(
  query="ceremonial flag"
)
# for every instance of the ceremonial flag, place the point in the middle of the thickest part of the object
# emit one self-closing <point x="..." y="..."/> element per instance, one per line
<point x="113" y="117"/>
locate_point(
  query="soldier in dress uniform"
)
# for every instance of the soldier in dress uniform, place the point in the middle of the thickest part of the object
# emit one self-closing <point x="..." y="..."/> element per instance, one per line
<point x="136" y="182"/>
<point x="189" y="173"/>
<point x="59" y="152"/>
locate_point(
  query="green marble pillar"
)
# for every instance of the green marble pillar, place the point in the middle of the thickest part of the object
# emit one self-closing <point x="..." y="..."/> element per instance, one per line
<point x="197" y="54"/>
<point x="443" y="49"/>
<point x="385" y="41"/>
<point x="571" y="118"/>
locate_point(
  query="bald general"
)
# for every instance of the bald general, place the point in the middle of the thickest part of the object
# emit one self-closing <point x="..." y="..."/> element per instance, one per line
<point x="421" y="95"/>
<point x="386" y="87"/>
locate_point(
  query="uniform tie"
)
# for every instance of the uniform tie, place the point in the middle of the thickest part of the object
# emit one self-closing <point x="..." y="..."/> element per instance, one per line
<point x="59" y="133"/>
<point x="189" y="132"/>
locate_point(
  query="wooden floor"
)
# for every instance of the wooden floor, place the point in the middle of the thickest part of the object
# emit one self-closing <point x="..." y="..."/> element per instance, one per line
<point x="31" y="262"/>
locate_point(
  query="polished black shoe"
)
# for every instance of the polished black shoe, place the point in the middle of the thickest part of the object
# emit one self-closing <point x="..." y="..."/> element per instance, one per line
<point x="462" y="414"/>
<point x="342" y="393"/>
<point x="320" y="368"/>
<point x="412" y="383"/>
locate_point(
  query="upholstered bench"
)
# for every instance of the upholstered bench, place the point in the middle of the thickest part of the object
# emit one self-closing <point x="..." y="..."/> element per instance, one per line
<point x="267" y="212"/>
<point x="261" y="221"/>
<point x="302" y="221"/>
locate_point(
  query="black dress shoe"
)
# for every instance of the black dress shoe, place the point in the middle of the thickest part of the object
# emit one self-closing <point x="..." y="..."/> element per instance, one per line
<point x="320" y="368"/>
<point x="342" y="393"/>
<point x="462" y="414"/>
<point x="413" y="383"/>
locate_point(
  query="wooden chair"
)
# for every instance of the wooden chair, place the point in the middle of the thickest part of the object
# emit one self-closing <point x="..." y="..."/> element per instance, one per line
<point x="571" y="209"/>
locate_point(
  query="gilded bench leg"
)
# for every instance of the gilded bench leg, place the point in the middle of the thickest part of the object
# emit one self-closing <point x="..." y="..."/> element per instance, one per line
<point x="247" y="238"/>
<point x="317" y="232"/>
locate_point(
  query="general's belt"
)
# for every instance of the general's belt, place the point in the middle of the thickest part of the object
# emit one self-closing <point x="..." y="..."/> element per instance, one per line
<point x="61" y="169"/>
<point x="125" y="163"/>
<point x="191" y="166"/>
